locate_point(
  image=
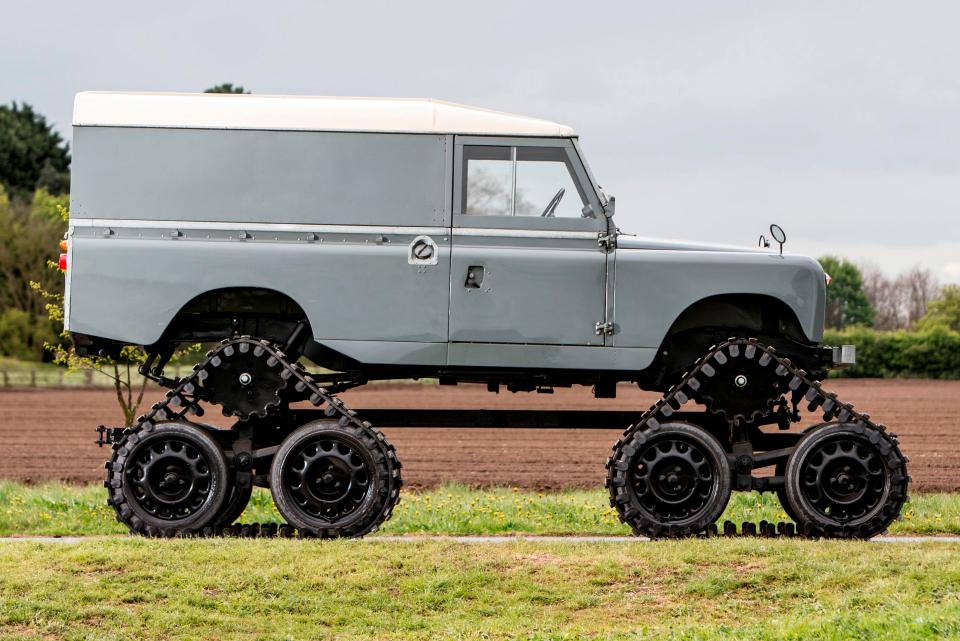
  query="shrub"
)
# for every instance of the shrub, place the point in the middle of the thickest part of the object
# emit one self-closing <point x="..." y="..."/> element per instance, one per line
<point x="930" y="353"/>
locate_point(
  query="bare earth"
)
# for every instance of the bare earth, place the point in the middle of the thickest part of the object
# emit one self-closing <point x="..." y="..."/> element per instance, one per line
<point x="48" y="434"/>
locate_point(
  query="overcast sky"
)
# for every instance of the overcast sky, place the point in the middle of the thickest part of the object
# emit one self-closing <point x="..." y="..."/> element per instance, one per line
<point x="707" y="120"/>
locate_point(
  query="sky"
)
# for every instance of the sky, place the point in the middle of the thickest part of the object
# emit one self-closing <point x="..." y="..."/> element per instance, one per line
<point x="708" y="120"/>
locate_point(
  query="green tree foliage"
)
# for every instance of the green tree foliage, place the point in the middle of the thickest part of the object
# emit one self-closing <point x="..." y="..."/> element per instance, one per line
<point x="225" y="87"/>
<point x="943" y="311"/>
<point x="32" y="154"/>
<point x="847" y="303"/>
<point x="29" y="237"/>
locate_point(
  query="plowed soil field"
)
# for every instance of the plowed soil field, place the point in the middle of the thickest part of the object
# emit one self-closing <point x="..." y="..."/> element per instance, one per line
<point x="48" y="434"/>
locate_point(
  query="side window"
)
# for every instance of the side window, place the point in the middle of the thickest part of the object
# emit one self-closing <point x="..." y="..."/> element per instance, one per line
<point x="545" y="184"/>
<point x="520" y="181"/>
<point x="489" y="181"/>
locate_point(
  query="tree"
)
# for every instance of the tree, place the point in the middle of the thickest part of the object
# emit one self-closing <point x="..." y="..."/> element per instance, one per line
<point x="885" y="298"/>
<point x="898" y="302"/>
<point x="225" y="87"/>
<point x="32" y="153"/>
<point x="29" y="238"/>
<point x="943" y="311"/>
<point x="919" y="286"/>
<point x="847" y="303"/>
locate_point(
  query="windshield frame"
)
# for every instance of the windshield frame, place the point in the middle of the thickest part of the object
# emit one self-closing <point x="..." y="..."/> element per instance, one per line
<point x="601" y="195"/>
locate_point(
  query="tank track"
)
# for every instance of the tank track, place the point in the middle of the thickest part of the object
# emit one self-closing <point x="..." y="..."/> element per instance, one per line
<point x="271" y="530"/>
<point x="789" y="379"/>
<point x="183" y="400"/>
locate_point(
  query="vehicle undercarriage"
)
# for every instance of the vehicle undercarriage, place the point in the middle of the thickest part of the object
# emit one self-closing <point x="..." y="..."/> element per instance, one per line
<point x="333" y="474"/>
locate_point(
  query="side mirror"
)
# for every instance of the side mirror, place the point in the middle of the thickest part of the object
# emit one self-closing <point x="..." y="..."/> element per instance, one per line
<point x="610" y="207"/>
<point x="778" y="235"/>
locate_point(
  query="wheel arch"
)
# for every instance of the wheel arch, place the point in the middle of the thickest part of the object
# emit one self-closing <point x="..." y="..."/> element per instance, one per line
<point x="760" y="313"/>
<point x="215" y="313"/>
<point x="717" y="317"/>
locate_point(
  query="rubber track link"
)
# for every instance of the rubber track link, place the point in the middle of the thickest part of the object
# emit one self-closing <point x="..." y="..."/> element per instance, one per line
<point x="794" y="382"/>
<point x="183" y="400"/>
<point x="765" y="529"/>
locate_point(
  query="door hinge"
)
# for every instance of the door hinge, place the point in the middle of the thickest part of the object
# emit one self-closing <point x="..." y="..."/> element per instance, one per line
<point x="607" y="241"/>
<point x="603" y="328"/>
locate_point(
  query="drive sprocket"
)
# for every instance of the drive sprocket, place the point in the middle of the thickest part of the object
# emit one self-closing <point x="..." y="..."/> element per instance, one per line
<point x="245" y="379"/>
<point x="741" y="382"/>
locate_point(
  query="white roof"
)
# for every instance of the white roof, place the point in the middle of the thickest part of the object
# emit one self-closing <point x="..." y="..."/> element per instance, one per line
<point x="244" y="111"/>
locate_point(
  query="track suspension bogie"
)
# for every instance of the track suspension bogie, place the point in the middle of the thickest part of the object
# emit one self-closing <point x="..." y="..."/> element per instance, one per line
<point x="332" y="474"/>
<point x="844" y="478"/>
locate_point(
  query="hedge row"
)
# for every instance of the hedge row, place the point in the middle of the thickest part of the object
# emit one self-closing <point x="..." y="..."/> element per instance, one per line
<point x="932" y="353"/>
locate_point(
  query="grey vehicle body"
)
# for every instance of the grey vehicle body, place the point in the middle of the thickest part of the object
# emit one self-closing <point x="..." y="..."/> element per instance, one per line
<point x="369" y="235"/>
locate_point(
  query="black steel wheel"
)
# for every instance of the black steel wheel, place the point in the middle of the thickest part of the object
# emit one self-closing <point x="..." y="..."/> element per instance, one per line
<point x="781" y="492"/>
<point x="332" y="479"/>
<point x="233" y="507"/>
<point x="167" y="478"/>
<point x="846" y="480"/>
<point x="669" y="480"/>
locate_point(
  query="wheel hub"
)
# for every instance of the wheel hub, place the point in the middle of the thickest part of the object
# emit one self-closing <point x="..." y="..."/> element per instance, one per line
<point x="673" y="479"/>
<point x="843" y="479"/>
<point x="170" y="478"/>
<point x="328" y="478"/>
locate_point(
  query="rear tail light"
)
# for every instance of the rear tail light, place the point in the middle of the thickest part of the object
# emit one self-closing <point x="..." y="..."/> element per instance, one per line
<point x="63" y="257"/>
<point x="827" y="277"/>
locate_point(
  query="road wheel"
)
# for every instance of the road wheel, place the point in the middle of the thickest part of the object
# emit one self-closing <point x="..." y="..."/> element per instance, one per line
<point x="846" y="480"/>
<point x="167" y="478"/>
<point x="669" y="480"/>
<point x="234" y="506"/>
<point x="781" y="492"/>
<point x="333" y="480"/>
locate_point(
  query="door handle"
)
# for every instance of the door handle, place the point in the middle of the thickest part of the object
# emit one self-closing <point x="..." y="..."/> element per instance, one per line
<point x="474" y="277"/>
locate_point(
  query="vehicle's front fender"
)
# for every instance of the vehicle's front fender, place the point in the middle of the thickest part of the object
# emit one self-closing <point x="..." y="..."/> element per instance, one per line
<point x="653" y="287"/>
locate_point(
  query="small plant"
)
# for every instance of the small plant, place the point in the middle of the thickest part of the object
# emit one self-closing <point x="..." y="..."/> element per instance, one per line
<point x="128" y="383"/>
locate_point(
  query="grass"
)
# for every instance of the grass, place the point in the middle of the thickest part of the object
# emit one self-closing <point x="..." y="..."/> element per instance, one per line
<point x="132" y="588"/>
<point x="58" y="509"/>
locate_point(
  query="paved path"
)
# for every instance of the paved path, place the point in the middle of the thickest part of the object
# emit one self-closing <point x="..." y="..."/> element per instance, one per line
<point x="482" y="539"/>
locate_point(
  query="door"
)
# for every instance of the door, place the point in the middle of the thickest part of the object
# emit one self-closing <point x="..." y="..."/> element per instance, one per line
<point x="526" y="265"/>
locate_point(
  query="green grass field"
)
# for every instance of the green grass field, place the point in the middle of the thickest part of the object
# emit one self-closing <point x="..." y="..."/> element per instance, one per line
<point x="57" y="509"/>
<point x="119" y="587"/>
<point x="129" y="588"/>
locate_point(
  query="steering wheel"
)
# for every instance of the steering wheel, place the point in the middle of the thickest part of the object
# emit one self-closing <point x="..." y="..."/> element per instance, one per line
<point x="552" y="205"/>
